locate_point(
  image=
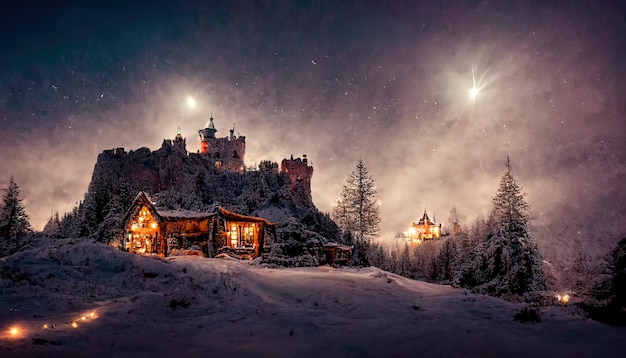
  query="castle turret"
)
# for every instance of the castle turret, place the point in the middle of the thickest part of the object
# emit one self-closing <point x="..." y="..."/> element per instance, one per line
<point x="227" y="153"/>
<point x="207" y="135"/>
<point x="180" y="142"/>
<point x="232" y="133"/>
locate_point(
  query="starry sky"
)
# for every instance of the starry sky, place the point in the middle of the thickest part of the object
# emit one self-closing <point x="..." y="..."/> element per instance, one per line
<point x="384" y="81"/>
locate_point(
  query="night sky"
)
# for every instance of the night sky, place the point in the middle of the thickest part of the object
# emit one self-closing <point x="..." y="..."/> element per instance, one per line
<point x="384" y="81"/>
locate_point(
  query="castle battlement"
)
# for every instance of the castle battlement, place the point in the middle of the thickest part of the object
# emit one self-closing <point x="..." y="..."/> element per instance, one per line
<point x="115" y="151"/>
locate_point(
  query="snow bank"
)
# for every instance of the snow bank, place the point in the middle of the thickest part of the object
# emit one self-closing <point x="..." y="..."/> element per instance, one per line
<point x="193" y="306"/>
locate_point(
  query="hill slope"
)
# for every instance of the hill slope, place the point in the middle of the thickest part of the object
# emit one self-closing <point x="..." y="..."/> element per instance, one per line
<point x="218" y="307"/>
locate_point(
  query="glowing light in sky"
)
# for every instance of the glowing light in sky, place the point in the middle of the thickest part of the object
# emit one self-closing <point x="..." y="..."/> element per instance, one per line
<point x="473" y="93"/>
<point x="474" y="90"/>
<point x="191" y="102"/>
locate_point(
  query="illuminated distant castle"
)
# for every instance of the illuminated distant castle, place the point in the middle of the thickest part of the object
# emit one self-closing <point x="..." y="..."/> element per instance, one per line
<point x="424" y="229"/>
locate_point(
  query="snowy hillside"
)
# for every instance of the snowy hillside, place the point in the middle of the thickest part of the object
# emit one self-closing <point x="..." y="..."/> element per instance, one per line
<point x="125" y="305"/>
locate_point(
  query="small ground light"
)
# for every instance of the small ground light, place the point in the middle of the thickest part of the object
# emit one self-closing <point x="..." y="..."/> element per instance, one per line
<point x="564" y="299"/>
<point x="74" y="325"/>
<point x="14" y="331"/>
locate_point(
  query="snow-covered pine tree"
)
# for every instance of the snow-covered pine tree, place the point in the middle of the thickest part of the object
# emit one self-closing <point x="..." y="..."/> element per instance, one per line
<point x="447" y="259"/>
<point x="357" y="208"/>
<point x="507" y="261"/>
<point x="454" y="227"/>
<point x="53" y="226"/>
<point x="512" y="214"/>
<point x="608" y="301"/>
<point x="14" y="223"/>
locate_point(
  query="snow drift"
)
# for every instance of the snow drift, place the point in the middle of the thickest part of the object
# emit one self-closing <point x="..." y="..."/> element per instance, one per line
<point x="192" y="306"/>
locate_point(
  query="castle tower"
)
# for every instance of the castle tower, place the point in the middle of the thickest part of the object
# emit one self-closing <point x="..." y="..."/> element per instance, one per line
<point x="207" y="135"/>
<point x="226" y="153"/>
<point x="180" y="142"/>
<point x="300" y="172"/>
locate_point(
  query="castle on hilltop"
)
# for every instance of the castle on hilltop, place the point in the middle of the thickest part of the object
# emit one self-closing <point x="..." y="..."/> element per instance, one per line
<point x="227" y="153"/>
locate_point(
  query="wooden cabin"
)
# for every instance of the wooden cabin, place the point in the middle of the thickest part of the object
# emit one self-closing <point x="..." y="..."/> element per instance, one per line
<point x="152" y="231"/>
<point x="337" y="254"/>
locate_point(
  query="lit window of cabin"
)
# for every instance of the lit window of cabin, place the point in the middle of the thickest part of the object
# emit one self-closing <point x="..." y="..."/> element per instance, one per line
<point x="241" y="234"/>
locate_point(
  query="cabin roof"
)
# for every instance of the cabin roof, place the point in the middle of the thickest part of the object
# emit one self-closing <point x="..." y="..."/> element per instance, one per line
<point x="183" y="214"/>
<point x="143" y="199"/>
<point x="238" y="217"/>
<point x="336" y="246"/>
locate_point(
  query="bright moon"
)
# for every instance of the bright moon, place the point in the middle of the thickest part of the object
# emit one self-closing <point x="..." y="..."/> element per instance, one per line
<point x="473" y="93"/>
<point x="191" y="102"/>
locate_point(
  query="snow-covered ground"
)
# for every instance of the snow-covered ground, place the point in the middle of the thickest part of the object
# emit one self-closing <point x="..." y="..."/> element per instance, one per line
<point x="125" y="305"/>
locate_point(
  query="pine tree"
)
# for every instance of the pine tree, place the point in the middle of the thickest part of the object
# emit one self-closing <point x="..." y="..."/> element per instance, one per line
<point x="14" y="223"/>
<point x="608" y="302"/>
<point x="357" y="209"/>
<point x="53" y="226"/>
<point x="454" y="227"/>
<point x="512" y="214"/>
<point x="447" y="260"/>
<point x="510" y="209"/>
<point x="507" y="261"/>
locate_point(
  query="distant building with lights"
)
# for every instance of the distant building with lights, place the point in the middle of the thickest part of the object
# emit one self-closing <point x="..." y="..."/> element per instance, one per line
<point x="424" y="229"/>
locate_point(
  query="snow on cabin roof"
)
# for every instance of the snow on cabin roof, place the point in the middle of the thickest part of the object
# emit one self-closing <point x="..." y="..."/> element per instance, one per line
<point x="332" y="245"/>
<point x="150" y="200"/>
<point x="183" y="214"/>
<point x="143" y="198"/>
<point x="233" y="216"/>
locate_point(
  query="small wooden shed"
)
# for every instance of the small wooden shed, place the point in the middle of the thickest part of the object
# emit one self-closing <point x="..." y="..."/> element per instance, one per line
<point x="337" y="254"/>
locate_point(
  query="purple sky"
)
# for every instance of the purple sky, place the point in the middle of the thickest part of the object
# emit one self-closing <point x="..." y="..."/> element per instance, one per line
<point x="387" y="82"/>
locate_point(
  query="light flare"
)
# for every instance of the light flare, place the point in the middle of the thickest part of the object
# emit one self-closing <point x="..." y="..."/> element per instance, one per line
<point x="473" y="92"/>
